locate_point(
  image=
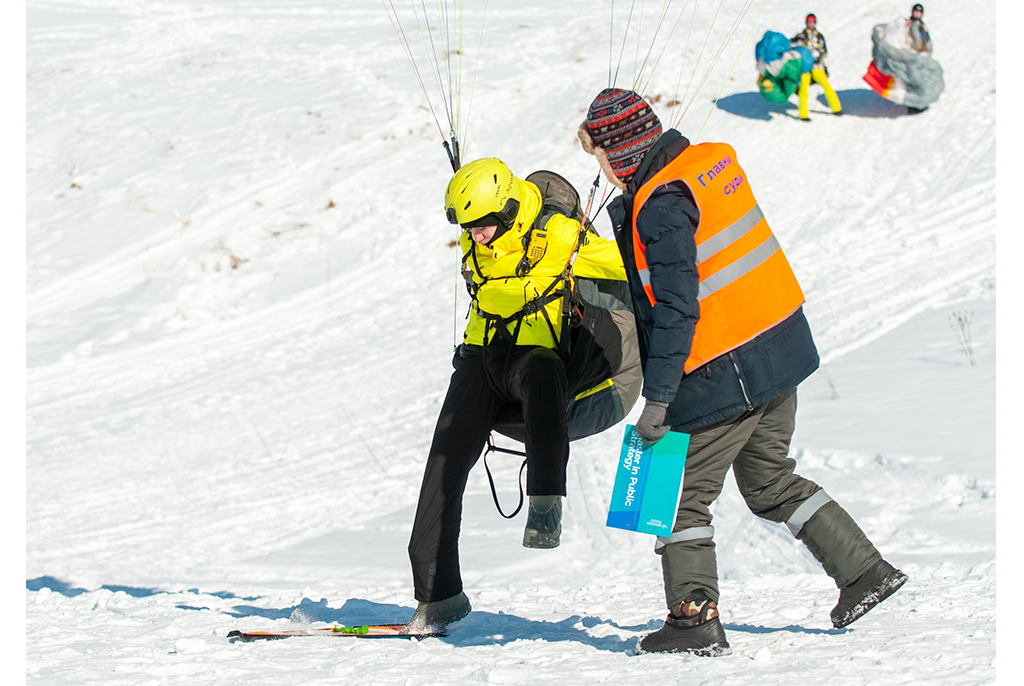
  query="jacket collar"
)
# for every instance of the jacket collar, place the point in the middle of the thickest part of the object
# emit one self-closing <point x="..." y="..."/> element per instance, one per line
<point x="664" y="151"/>
<point x="529" y="207"/>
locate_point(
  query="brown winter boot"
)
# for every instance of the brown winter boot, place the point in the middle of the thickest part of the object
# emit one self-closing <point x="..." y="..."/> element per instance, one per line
<point x="691" y="627"/>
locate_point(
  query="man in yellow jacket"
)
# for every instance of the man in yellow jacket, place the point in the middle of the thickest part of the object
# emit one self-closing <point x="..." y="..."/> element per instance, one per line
<point x="519" y="269"/>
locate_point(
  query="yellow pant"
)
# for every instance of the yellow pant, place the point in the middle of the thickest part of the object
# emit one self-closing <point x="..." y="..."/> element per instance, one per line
<point x="819" y="78"/>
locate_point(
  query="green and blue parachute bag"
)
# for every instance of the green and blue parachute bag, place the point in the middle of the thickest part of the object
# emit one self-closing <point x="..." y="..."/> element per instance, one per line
<point x="780" y="66"/>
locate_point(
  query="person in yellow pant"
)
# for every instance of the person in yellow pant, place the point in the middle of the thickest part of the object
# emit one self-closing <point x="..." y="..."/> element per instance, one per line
<point x="814" y="41"/>
<point x="818" y="75"/>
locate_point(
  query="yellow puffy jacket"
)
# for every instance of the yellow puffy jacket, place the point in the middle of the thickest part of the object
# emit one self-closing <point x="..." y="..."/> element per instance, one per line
<point x="492" y="271"/>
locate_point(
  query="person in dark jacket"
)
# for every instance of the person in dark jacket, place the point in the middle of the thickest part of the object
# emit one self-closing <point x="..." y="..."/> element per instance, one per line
<point x="813" y="40"/>
<point x="921" y="40"/>
<point x="724" y="344"/>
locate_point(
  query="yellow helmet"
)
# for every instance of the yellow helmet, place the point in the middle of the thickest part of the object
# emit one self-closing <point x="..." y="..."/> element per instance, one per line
<point x="483" y="193"/>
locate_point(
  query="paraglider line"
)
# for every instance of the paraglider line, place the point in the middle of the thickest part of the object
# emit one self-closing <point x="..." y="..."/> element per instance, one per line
<point x="448" y="59"/>
<point x="605" y="197"/>
<point x="412" y="62"/>
<point x="636" y="54"/>
<point x="700" y="56"/>
<point x="590" y="197"/>
<point x="622" y="49"/>
<point x="682" y="62"/>
<point x="745" y="41"/>
<point x="476" y="69"/>
<point x="643" y="87"/>
<point x="437" y="67"/>
<point x="611" y="43"/>
<point x="715" y="61"/>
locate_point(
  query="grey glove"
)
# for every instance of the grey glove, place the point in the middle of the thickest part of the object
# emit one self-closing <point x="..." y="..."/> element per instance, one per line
<point x="651" y="426"/>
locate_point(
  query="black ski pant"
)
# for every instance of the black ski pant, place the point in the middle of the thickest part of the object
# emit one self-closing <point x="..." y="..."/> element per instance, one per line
<point x="755" y="445"/>
<point x="480" y="388"/>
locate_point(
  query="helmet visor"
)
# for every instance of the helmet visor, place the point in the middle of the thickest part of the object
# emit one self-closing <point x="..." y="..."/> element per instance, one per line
<point x="503" y="218"/>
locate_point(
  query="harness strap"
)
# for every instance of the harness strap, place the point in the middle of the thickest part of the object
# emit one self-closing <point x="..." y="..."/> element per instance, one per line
<point x="571" y="317"/>
<point x="467" y="273"/>
<point x="534" y="252"/>
<point x="491" y="448"/>
<point x="538" y="304"/>
<point x="529" y="309"/>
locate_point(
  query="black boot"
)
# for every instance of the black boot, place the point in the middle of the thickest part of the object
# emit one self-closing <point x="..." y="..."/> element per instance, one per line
<point x="874" y="586"/>
<point x="435" y="616"/>
<point x="544" y="522"/>
<point x="692" y="627"/>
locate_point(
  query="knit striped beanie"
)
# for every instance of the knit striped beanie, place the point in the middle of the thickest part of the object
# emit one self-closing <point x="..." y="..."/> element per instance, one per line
<point x="621" y="123"/>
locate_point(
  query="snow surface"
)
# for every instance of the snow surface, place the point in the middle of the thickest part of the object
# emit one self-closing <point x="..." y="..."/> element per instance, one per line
<point x="241" y="300"/>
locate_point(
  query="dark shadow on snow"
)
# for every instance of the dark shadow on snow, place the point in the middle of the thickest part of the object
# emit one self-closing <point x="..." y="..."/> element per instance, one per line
<point x="864" y="102"/>
<point x="489" y="628"/>
<point x="751" y="629"/>
<point x="354" y="612"/>
<point x="861" y="102"/>
<point x="66" y="589"/>
<point x="754" y="106"/>
<point x="479" y="628"/>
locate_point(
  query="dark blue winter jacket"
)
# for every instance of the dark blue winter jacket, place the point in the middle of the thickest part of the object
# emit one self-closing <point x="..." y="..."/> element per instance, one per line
<point x="751" y="375"/>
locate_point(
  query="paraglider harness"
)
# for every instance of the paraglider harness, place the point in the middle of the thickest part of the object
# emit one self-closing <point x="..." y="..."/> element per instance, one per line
<point x="558" y="197"/>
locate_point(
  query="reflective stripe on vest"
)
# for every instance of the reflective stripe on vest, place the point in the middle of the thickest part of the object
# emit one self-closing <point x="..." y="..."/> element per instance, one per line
<point x="746" y="285"/>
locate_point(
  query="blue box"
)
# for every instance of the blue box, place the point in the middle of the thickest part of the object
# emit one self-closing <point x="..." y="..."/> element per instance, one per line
<point x="648" y="481"/>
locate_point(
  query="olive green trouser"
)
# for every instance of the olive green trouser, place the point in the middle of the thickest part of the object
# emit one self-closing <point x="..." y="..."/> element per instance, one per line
<point x="756" y="445"/>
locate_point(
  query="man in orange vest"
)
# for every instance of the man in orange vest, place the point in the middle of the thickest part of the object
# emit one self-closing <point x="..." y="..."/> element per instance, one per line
<point x="724" y="344"/>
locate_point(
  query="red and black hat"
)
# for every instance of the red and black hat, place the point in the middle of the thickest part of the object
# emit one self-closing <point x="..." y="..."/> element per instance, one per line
<point x="622" y="124"/>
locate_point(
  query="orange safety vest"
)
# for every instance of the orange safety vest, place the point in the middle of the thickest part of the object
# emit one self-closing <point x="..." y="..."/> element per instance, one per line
<point x="746" y="283"/>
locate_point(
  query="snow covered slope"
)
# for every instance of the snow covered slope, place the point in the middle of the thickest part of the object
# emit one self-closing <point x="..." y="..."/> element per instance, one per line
<point x="242" y="300"/>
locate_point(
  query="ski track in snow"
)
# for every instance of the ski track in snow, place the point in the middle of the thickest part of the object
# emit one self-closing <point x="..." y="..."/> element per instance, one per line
<point x="240" y="307"/>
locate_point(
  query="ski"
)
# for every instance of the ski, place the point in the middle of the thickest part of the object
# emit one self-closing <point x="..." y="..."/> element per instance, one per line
<point x="364" y="631"/>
